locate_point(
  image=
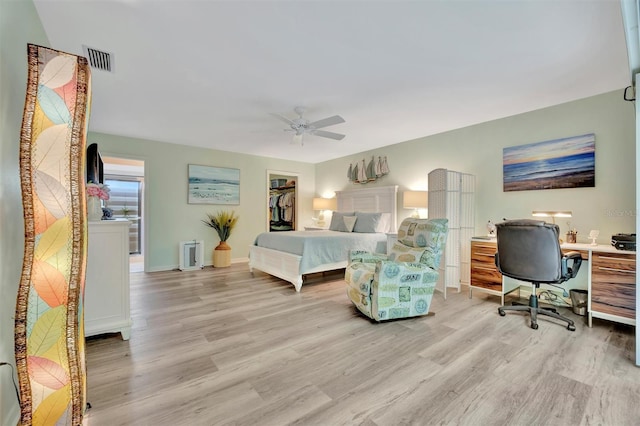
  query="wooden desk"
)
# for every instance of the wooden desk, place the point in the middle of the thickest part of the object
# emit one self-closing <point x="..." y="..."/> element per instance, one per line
<point x="611" y="278"/>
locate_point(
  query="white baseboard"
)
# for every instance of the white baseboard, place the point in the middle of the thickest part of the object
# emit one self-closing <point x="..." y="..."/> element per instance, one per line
<point x="175" y="267"/>
<point x="163" y="268"/>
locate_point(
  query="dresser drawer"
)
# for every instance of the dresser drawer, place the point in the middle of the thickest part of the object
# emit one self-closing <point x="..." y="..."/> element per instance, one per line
<point x="482" y="276"/>
<point x="613" y="284"/>
<point x="484" y="273"/>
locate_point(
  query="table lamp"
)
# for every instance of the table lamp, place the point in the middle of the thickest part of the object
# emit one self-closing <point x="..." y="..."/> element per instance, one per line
<point x="323" y="204"/>
<point x="415" y="200"/>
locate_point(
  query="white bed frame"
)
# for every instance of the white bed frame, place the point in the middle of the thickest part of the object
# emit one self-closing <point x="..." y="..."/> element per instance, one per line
<point x="382" y="199"/>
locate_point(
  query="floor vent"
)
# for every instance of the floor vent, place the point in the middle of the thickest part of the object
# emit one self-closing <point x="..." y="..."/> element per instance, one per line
<point x="191" y="255"/>
<point x="99" y="59"/>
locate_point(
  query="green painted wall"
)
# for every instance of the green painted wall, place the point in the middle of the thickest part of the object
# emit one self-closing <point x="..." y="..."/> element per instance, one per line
<point x="19" y="25"/>
<point x="170" y="219"/>
<point x="609" y="207"/>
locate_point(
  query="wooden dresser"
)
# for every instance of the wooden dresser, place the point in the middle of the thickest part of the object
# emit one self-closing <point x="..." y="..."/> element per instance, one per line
<point x="612" y="295"/>
<point x="484" y="274"/>
<point x="611" y="278"/>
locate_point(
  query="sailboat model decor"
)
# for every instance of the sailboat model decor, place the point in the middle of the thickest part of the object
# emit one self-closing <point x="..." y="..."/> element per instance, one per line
<point x="361" y="173"/>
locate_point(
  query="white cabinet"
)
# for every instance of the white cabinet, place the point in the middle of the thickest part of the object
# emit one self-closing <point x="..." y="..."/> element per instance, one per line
<point x="451" y="196"/>
<point x="106" y="291"/>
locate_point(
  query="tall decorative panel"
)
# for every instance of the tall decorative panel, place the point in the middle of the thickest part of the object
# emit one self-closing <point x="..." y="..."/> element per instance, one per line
<point x="451" y="196"/>
<point x="49" y="334"/>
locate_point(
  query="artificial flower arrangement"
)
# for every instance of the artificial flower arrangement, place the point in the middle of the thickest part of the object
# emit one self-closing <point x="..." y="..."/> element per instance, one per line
<point x="223" y="222"/>
<point x="99" y="190"/>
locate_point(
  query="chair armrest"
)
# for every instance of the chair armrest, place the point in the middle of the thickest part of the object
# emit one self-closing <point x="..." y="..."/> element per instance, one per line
<point x="365" y="256"/>
<point x="406" y="269"/>
<point x="571" y="262"/>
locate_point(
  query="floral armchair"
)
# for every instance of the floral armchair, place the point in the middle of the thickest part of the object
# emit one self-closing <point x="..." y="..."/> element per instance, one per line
<point x="401" y="283"/>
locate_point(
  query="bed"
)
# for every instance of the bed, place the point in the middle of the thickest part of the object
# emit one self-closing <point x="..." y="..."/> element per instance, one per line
<point x="293" y="254"/>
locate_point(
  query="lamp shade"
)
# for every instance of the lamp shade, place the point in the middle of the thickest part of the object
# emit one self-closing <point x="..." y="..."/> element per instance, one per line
<point x="324" y="204"/>
<point x="415" y="199"/>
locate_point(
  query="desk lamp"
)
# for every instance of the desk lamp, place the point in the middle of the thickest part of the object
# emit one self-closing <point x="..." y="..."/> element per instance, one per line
<point x="323" y="204"/>
<point x="415" y="200"/>
<point x="551" y="213"/>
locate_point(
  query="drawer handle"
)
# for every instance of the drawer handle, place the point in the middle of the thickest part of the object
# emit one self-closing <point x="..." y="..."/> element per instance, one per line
<point x="616" y="270"/>
<point x="485" y="268"/>
<point x="486" y="255"/>
<point x="617" y="259"/>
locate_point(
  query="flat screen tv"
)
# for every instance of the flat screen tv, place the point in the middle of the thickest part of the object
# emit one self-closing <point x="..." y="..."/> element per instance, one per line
<point x="95" y="167"/>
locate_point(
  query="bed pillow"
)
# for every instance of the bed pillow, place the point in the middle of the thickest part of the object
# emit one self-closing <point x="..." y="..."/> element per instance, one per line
<point x="337" y="221"/>
<point x="372" y="222"/>
<point x="349" y="222"/>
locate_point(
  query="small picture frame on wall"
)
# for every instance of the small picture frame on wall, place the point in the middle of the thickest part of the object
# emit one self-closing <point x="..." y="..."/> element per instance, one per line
<point x="213" y="185"/>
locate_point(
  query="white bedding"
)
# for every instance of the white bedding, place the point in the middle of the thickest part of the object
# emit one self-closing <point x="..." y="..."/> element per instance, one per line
<point x="321" y="247"/>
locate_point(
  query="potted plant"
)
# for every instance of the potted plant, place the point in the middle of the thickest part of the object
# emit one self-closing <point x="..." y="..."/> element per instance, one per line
<point x="223" y="222"/>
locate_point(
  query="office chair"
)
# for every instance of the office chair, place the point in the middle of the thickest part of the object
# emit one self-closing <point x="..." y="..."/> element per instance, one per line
<point x="529" y="250"/>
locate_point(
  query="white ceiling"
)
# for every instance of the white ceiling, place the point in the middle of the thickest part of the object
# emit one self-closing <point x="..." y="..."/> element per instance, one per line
<point x="207" y="73"/>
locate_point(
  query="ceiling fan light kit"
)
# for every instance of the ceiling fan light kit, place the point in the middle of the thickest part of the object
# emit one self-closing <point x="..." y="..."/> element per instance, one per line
<point x="302" y="126"/>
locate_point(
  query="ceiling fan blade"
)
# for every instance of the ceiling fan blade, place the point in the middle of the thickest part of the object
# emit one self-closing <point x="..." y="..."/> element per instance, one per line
<point x="325" y="134"/>
<point x="329" y="121"/>
<point x="282" y="118"/>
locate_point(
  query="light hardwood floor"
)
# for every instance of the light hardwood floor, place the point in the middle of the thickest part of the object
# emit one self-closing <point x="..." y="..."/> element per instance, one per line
<point x="223" y="347"/>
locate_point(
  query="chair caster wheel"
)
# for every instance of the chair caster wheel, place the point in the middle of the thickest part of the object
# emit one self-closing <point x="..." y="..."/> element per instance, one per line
<point x="571" y="327"/>
<point x="501" y="312"/>
<point x="534" y="325"/>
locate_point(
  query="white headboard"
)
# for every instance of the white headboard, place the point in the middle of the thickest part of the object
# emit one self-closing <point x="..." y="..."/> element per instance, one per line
<point x="380" y="199"/>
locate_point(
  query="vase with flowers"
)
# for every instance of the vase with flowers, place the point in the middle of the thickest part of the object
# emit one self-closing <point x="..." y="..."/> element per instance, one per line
<point x="96" y="192"/>
<point x="223" y="223"/>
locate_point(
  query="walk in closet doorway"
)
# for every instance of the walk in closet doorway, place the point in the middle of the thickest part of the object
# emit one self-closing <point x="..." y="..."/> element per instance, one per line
<point x="282" y="205"/>
<point x="125" y="178"/>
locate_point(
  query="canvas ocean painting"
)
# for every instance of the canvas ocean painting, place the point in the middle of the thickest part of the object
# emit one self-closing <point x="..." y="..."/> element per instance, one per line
<point x="213" y="185"/>
<point x="558" y="163"/>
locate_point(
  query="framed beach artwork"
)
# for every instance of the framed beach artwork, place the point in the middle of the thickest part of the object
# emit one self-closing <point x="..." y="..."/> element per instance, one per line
<point x="213" y="185"/>
<point x="559" y="163"/>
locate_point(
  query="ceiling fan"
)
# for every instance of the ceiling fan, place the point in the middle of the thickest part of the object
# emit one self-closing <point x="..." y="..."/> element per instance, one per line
<point x="302" y="126"/>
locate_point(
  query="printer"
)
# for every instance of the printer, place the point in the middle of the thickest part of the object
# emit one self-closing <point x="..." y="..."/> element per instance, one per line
<point x="624" y="241"/>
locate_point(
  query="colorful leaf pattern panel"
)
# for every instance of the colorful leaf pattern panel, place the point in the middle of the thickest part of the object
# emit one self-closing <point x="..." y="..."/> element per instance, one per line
<point x="53" y="407"/>
<point x="49" y="312"/>
<point x="50" y="283"/>
<point x="48" y="373"/>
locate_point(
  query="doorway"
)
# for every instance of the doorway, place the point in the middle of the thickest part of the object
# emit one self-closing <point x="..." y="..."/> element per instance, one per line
<point x="282" y="205"/>
<point x="125" y="178"/>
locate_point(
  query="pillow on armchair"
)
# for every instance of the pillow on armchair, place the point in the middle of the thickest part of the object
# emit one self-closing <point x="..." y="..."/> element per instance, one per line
<point x="429" y="234"/>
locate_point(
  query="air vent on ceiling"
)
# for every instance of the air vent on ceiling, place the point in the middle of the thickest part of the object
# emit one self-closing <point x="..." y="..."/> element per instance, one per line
<point x="98" y="59"/>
